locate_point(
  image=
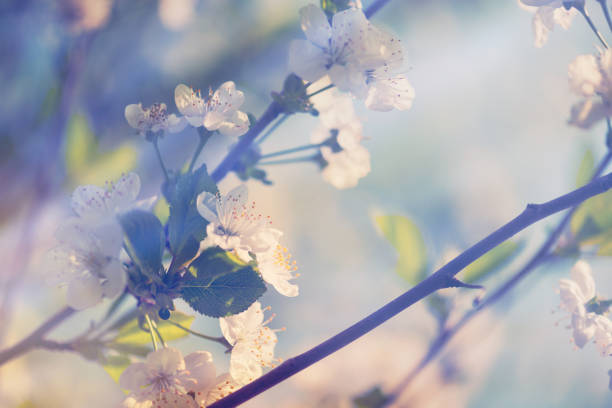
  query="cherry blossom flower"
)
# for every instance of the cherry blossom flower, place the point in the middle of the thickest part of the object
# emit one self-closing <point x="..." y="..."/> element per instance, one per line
<point x="277" y="269"/>
<point x="345" y="168"/>
<point x="252" y="343"/>
<point x="591" y="77"/>
<point x="224" y="386"/>
<point x="358" y="57"/>
<point x="155" y="118"/>
<point x="547" y="14"/>
<point x="575" y="294"/>
<point x="87" y="259"/>
<point x="166" y="379"/>
<point x="234" y="225"/>
<point x="217" y="112"/>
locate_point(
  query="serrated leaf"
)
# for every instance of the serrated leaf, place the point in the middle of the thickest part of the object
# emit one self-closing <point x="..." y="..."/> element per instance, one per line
<point x="407" y="240"/>
<point x="218" y="286"/>
<point x="115" y="365"/>
<point x="586" y="169"/>
<point x="132" y="334"/>
<point x="490" y="261"/>
<point x="144" y="240"/>
<point x="186" y="227"/>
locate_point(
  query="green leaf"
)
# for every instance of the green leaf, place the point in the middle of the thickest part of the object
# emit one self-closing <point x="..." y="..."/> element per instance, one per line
<point x="490" y="261"/>
<point x="219" y="285"/>
<point x="162" y="210"/>
<point x="586" y="169"/>
<point x="407" y="240"/>
<point x="85" y="164"/>
<point x="144" y="240"/>
<point x="115" y="365"/>
<point x="132" y="334"/>
<point x="186" y="227"/>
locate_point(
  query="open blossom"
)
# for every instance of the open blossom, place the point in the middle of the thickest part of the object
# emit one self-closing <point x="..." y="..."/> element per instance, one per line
<point x="277" y="268"/>
<point x="87" y="259"/>
<point x="155" y="118"/>
<point x="217" y="112"/>
<point x="253" y="343"/>
<point x="549" y="13"/>
<point x="167" y="380"/>
<point x="358" y="57"/>
<point x="590" y="76"/>
<point x="586" y="325"/>
<point x="345" y="160"/>
<point x="234" y="225"/>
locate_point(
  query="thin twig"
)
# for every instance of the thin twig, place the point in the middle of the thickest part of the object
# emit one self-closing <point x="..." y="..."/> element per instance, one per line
<point x="540" y="257"/>
<point x="221" y="340"/>
<point x="438" y="280"/>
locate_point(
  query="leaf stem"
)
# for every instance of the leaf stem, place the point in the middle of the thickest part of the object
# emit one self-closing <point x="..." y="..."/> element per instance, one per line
<point x="221" y="340"/>
<point x="204" y="135"/>
<point x="325" y="88"/>
<point x="606" y="12"/>
<point x="288" y="161"/>
<point x="584" y="13"/>
<point x="292" y="150"/>
<point x="153" y="340"/>
<point x="272" y="129"/>
<point x="159" y="157"/>
<point x="438" y="280"/>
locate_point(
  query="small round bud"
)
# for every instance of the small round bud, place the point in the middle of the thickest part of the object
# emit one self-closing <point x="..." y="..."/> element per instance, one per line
<point x="164" y="314"/>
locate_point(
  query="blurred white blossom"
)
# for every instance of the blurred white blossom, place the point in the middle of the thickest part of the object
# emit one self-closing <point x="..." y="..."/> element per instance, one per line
<point x="87" y="259"/>
<point x="217" y="112"/>
<point x="547" y="14"/>
<point x="590" y="76"/>
<point x="277" y="268"/>
<point x="166" y="379"/>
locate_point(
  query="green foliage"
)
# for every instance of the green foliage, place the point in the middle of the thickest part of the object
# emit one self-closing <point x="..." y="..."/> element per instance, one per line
<point x="331" y="7"/>
<point x="294" y="98"/>
<point x="220" y="285"/>
<point x="114" y="365"/>
<point x="490" y="261"/>
<point x="586" y="169"/>
<point x="162" y="210"/>
<point x="85" y="164"/>
<point x="186" y="227"/>
<point x="407" y="240"/>
<point x="374" y="398"/>
<point x="144" y="240"/>
<point x="135" y="334"/>
<point x="591" y="224"/>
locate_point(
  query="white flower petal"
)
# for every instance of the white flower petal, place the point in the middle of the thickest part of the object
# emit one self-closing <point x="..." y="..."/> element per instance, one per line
<point x="307" y="60"/>
<point x="83" y="292"/>
<point x="315" y="25"/>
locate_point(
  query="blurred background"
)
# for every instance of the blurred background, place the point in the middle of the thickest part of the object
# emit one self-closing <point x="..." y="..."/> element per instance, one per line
<point x="486" y="135"/>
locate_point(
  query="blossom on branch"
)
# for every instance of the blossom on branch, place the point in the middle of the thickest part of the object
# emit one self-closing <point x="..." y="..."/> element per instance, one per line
<point x="548" y="14"/>
<point x="166" y="379"/>
<point x="234" y="225"/>
<point x="217" y="112"/>
<point x="590" y="76"/>
<point x="358" y="57"/>
<point x="252" y="343"/>
<point x="588" y="322"/>
<point x="155" y="118"/>
<point x="87" y="259"/>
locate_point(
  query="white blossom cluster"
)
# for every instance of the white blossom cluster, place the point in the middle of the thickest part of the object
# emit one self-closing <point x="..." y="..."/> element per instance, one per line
<point x="216" y="111"/>
<point x="358" y="57"/>
<point x="576" y="295"/>
<point x="87" y="257"/>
